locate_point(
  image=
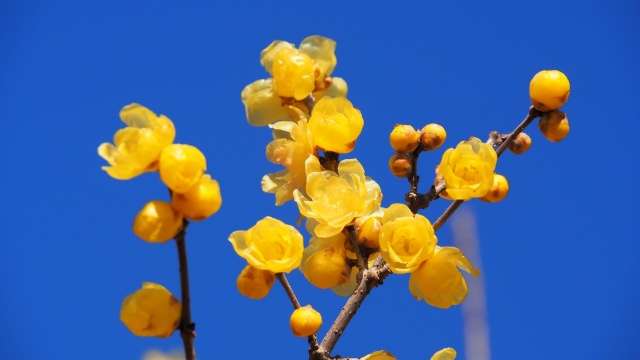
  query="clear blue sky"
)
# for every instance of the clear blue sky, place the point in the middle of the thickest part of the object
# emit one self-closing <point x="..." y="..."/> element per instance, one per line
<point x="559" y="255"/>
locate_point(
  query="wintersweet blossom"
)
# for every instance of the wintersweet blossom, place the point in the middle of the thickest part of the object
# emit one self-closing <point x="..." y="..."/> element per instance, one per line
<point x="292" y="147"/>
<point x="335" y="200"/>
<point x="379" y="355"/>
<point x="438" y="280"/>
<point x="296" y="73"/>
<point x="468" y="169"/>
<point x="151" y="311"/>
<point x="444" y="354"/>
<point x="406" y="240"/>
<point x="136" y="148"/>
<point x="255" y="283"/>
<point x="336" y="124"/>
<point x="269" y="245"/>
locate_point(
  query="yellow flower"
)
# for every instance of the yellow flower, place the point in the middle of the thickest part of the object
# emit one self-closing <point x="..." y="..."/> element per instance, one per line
<point x="379" y="355"/>
<point x="324" y="262"/>
<point x="255" y="283"/>
<point x="498" y="191"/>
<point x="468" y="169"/>
<point x="151" y="311"/>
<point x="296" y="73"/>
<point x="181" y="167"/>
<point x="269" y="245"/>
<point x="554" y="125"/>
<point x="292" y="147"/>
<point x="438" y="280"/>
<point x="305" y="321"/>
<point x="137" y="147"/>
<point x="334" y="200"/>
<point x="335" y="124"/>
<point x="157" y="222"/>
<point x="444" y="354"/>
<point x="406" y="240"/>
<point x="201" y="201"/>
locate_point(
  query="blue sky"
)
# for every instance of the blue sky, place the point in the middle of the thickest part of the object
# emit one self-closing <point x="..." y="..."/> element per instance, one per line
<point x="558" y="255"/>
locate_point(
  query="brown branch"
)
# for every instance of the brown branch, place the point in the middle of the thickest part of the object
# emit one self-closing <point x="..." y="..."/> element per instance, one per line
<point x="370" y="279"/>
<point x="187" y="327"/>
<point x="313" y="340"/>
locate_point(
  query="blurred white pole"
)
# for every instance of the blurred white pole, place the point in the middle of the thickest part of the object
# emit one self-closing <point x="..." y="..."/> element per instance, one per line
<point x="474" y="309"/>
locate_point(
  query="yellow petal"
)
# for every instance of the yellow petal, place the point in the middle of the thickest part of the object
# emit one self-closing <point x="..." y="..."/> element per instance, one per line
<point x="444" y="354"/>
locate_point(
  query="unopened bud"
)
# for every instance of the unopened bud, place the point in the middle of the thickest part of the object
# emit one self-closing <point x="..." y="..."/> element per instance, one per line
<point x="400" y="165"/>
<point x="432" y="136"/>
<point x="404" y="138"/>
<point x="554" y="125"/>
<point x="521" y="144"/>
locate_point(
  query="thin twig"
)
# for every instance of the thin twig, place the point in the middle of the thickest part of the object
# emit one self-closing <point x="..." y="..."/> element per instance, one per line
<point x="313" y="339"/>
<point x="187" y="327"/>
<point x="352" y="233"/>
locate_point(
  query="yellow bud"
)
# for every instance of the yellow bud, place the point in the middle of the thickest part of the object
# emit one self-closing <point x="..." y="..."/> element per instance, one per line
<point x="199" y="202"/>
<point x="498" y="191"/>
<point x="255" y="283"/>
<point x="521" y="144"/>
<point x="432" y="136"/>
<point x="554" y="125"/>
<point x="400" y="165"/>
<point x="181" y="167"/>
<point x="327" y="267"/>
<point x="157" y="222"/>
<point x="369" y="232"/>
<point x="549" y="90"/>
<point x="293" y="74"/>
<point x="151" y="311"/>
<point x="305" y="321"/>
<point x="404" y="138"/>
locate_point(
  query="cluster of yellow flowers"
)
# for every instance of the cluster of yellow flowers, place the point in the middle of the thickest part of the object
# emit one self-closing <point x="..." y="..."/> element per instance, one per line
<point x="145" y="145"/>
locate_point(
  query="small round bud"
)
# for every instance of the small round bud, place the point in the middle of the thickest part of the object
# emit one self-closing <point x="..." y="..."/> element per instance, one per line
<point x="498" y="191"/>
<point x="400" y="165"/>
<point x="369" y="232"/>
<point x="199" y="202"/>
<point x="521" y="144"/>
<point x="554" y="125"/>
<point x="255" y="283"/>
<point x="157" y="222"/>
<point x="404" y="138"/>
<point x="326" y="267"/>
<point x="549" y="90"/>
<point x="151" y="311"/>
<point x="305" y="321"/>
<point x="432" y="136"/>
<point x="181" y="167"/>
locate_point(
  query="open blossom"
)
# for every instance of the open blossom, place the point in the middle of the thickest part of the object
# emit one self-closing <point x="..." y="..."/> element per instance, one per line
<point x="335" y="200"/>
<point x="406" y="240"/>
<point x="336" y="124"/>
<point x="269" y="245"/>
<point x="296" y="73"/>
<point x="468" y="169"/>
<point x="438" y="280"/>
<point x="151" y="311"/>
<point x="292" y="147"/>
<point x="136" y="148"/>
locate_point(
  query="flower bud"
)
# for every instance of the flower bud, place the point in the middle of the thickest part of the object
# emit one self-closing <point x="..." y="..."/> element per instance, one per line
<point x="151" y="311"/>
<point x="305" y="321"/>
<point x="404" y="138"/>
<point x="157" y="222"/>
<point x="549" y="90"/>
<point x="498" y="191"/>
<point x="432" y="137"/>
<point x="255" y="283"/>
<point x="199" y="202"/>
<point x="181" y="167"/>
<point x="324" y="262"/>
<point x="369" y="232"/>
<point x="521" y="144"/>
<point x="554" y="125"/>
<point x="400" y="165"/>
